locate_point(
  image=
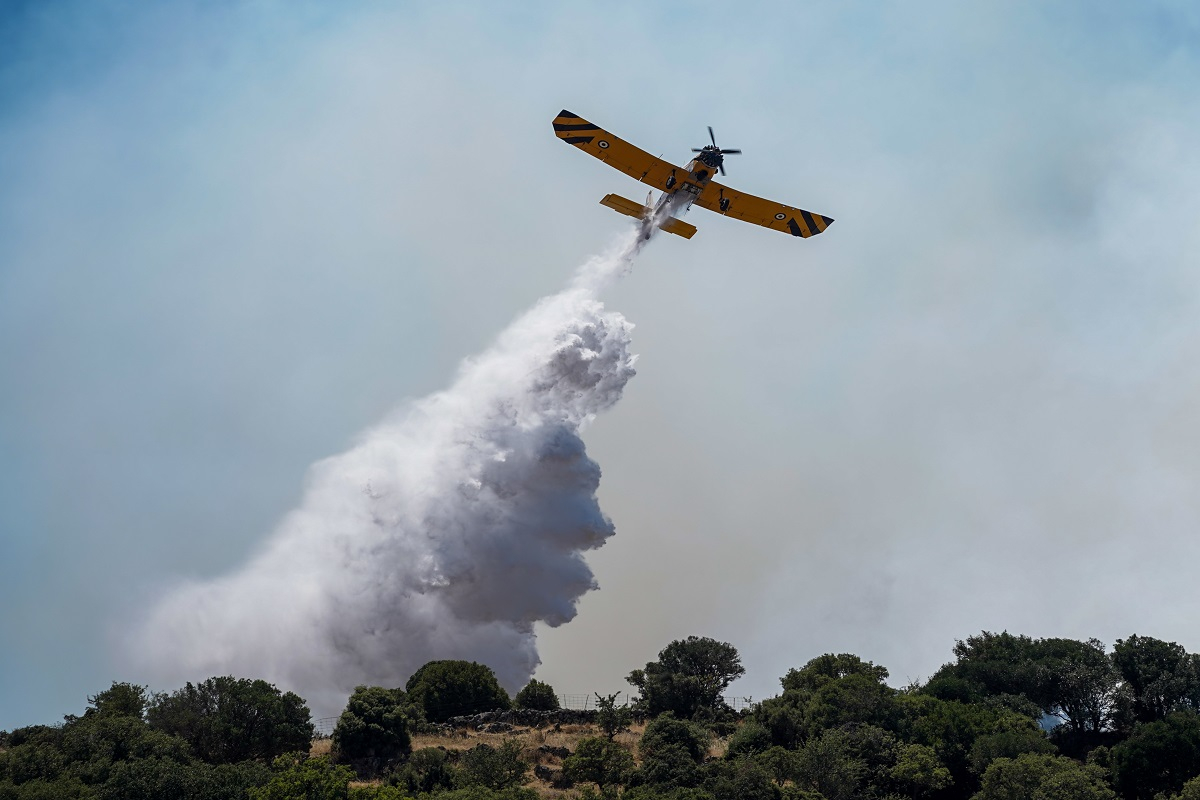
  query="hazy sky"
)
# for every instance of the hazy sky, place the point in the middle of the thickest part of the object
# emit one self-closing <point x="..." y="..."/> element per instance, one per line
<point x="235" y="235"/>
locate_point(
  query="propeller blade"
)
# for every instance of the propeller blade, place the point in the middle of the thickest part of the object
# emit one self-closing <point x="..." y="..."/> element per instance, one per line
<point x="731" y="152"/>
<point x="697" y="150"/>
<point x="710" y="135"/>
<point x="722" y="168"/>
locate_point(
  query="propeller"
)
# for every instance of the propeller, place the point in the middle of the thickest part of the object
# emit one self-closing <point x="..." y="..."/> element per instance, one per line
<point x="728" y="152"/>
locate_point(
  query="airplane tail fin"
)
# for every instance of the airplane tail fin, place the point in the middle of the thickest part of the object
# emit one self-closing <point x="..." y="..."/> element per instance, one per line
<point x="636" y="210"/>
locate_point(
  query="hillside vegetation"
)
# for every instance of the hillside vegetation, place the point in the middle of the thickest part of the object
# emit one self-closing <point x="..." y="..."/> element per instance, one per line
<point x="1010" y="717"/>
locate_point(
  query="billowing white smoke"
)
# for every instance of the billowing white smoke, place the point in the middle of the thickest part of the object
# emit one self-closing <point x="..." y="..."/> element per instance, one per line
<point x="447" y="532"/>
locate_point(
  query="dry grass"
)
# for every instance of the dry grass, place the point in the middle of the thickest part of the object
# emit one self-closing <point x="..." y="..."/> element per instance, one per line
<point x="531" y="740"/>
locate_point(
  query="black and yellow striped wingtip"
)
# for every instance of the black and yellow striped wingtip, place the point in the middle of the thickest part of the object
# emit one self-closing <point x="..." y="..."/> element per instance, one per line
<point x="809" y="224"/>
<point x="573" y="129"/>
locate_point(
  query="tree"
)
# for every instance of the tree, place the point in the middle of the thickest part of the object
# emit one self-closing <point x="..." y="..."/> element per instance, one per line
<point x="1078" y="683"/>
<point x="445" y="689"/>
<point x="373" y="731"/>
<point x="919" y="771"/>
<point x="1066" y="678"/>
<point x="609" y="716"/>
<point x="749" y="739"/>
<point x="120" y="699"/>
<point x="233" y="719"/>
<point x="426" y="770"/>
<point x="494" y="767"/>
<point x="1158" y="756"/>
<point x="829" y="667"/>
<point x="690" y="674"/>
<point x="671" y="750"/>
<point x="829" y="765"/>
<point x="1043" y="777"/>
<point x="666" y="731"/>
<point x="537" y="696"/>
<point x="741" y="779"/>
<point x="1158" y="675"/>
<point x="1009" y="743"/>
<point x="297" y="776"/>
<point x="600" y="761"/>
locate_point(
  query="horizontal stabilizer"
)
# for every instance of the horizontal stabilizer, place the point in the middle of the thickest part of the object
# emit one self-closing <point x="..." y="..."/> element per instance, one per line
<point x="638" y="211"/>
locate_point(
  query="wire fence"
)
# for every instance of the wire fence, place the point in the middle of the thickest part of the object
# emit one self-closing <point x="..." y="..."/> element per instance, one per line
<point x="572" y="702"/>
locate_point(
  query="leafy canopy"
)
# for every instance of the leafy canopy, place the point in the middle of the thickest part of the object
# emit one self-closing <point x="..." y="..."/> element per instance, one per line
<point x="445" y="689"/>
<point x="690" y="675"/>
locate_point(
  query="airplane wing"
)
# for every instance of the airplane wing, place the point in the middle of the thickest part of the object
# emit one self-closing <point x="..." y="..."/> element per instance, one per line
<point x="633" y="161"/>
<point x="758" y="211"/>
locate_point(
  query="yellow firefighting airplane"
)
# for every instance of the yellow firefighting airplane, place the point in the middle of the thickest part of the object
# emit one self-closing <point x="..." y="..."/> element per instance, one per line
<point x="682" y="187"/>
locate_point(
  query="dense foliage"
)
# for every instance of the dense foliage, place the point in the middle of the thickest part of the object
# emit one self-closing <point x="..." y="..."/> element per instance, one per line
<point x="445" y="689"/>
<point x="373" y="730"/>
<point x="226" y="720"/>
<point x="1010" y="717"/>
<point x="688" y="676"/>
<point x="537" y="696"/>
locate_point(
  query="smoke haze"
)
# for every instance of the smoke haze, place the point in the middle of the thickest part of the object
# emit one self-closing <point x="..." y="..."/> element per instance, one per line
<point x="446" y="532"/>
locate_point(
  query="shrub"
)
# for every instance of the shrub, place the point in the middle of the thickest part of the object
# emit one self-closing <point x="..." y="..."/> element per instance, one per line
<point x="493" y="767"/>
<point x="600" y="761"/>
<point x="445" y="689"/>
<point x="537" y="696"/>
<point x="228" y="719"/>
<point x="373" y="730"/>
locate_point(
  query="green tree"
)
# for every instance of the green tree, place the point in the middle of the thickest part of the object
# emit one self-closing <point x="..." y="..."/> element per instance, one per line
<point x="1159" y="677"/>
<point x="1072" y="680"/>
<point x="740" y="779"/>
<point x="749" y="739"/>
<point x="690" y="674"/>
<point x="426" y="770"/>
<point x="1190" y="791"/>
<point x="1158" y="756"/>
<point x="1043" y="777"/>
<point x="493" y="767"/>
<point x="445" y="689"/>
<point x="297" y="777"/>
<point x="830" y="667"/>
<point x="667" y="731"/>
<point x="373" y="731"/>
<point x="228" y="719"/>
<point x="918" y="771"/>
<point x="120" y="699"/>
<point x="609" y="716"/>
<point x="600" y="761"/>
<point x="829" y="765"/>
<point x="953" y="728"/>
<point x="537" y="696"/>
<point x="1008" y="743"/>
<point x="671" y="750"/>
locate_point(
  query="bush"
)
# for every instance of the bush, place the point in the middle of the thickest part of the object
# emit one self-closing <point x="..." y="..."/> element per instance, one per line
<point x="666" y="731"/>
<point x="747" y="740"/>
<point x="598" y="760"/>
<point x="1043" y="777"/>
<point x="493" y="767"/>
<point x="427" y="770"/>
<point x="297" y="776"/>
<point x="1159" y="756"/>
<point x="373" y="730"/>
<point x="228" y="719"/>
<point x="537" y="696"/>
<point x="445" y="689"/>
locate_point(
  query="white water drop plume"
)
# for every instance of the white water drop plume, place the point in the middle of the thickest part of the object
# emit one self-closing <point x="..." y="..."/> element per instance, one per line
<point x="447" y="531"/>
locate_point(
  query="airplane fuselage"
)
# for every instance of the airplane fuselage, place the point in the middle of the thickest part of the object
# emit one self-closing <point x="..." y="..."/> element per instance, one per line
<point x="683" y="187"/>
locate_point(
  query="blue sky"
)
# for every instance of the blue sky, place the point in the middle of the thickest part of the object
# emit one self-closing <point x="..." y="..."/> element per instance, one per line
<point x="234" y="235"/>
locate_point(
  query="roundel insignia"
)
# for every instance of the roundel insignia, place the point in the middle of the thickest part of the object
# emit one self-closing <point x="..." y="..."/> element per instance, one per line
<point x="781" y="216"/>
<point x="603" y="145"/>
